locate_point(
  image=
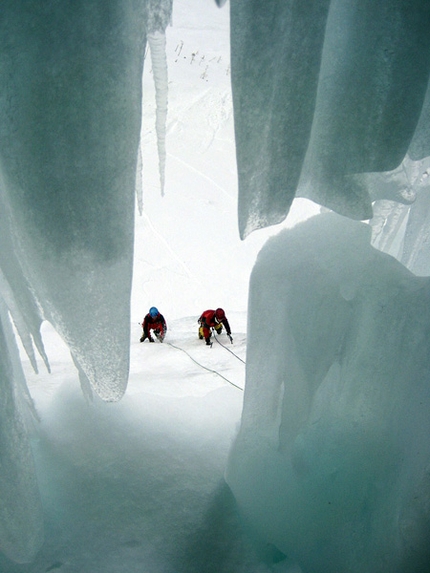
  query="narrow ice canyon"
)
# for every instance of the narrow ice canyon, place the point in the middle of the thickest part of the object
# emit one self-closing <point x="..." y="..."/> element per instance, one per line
<point x="331" y="102"/>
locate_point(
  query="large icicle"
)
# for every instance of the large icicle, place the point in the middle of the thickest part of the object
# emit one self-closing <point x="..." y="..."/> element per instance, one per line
<point x="158" y="17"/>
<point x="70" y="116"/>
<point x="21" y="519"/>
<point x="15" y="289"/>
<point x="276" y="51"/>
<point x="157" y="46"/>
<point x="356" y="112"/>
<point x="374" y="73"/>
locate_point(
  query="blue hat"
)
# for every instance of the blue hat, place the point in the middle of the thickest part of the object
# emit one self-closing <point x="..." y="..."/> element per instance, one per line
<point x="153" y="311"/>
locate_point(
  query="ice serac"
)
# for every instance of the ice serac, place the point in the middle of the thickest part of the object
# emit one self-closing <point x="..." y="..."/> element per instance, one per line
<point x="70" y="115"/>
<point x="350" y="83"/>
<point x="21" y="518"/>
<point x="275" y="60"/>
<point x="332" y="460"/>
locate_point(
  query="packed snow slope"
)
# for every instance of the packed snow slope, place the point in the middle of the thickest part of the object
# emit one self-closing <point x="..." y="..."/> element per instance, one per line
<point x="188" y="253"/>
<point x="138" y="485"/>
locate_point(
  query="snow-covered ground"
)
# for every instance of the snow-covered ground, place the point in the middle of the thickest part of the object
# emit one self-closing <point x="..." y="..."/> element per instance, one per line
<point x="189" y="256"/>
<point x="137" y="486"/>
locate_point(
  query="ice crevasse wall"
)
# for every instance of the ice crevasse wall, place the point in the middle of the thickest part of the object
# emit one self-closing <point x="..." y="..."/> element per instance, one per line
<point x="330" y="102"/>
<point x="331" y="463"/>
<point x="70" y="120"/>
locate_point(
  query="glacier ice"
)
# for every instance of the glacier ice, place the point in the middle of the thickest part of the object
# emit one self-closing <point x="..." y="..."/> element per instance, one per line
<point x="70" y="120"/>
<point x="159" y="14"/>
<point x="157" y="46"/>
<point x="416" y="241"/>
<point x="21" y="519"/>
<point x="323" y="93"/>
<point x="420" y="144"/>
<point x="331" y="102"/>
<point x="400" y="222"/>
<point x="70" y="124"/>
<point x="276" y="52"/>
<point x="332" y="460"/>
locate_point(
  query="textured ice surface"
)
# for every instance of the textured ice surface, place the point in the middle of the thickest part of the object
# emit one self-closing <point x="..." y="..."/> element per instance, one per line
<point x="332" y="460"/>
<point x="70" y="115"/>
<point x="70" y="124"/>
<point x="352" y="82"/>
<point x="352" y="85"/>
<point x="367" y="110"/>
<point x="21" y="521"/>
<point x="157" y="46"/>
<point x="275" y="60"/>
<point x="420" y="144"/>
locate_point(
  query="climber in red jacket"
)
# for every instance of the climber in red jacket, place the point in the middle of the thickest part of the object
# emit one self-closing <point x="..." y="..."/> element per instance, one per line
<point x="153" y="321"/>
<point x="213" y="319"/>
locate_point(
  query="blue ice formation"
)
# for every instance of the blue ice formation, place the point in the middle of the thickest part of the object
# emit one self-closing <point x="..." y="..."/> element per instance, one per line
<point x="21" y="517"/>
<point x="323" y="92"/>
<point x="70" y="125"/>
<point x="331" y="102"/>
<point x="70" y="120"/>
<point x="332" y="461"/>
<point x="330" y="99"/>
<point x="159" y="15"/>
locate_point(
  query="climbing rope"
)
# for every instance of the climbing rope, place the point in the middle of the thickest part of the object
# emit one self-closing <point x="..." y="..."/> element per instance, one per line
<point x="227" y="348"/>
<point x="204" y="367"/>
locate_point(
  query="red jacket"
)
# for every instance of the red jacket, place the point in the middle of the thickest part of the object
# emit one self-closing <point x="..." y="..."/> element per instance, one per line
<point x="209" y="320"/>
<point x="150" y="323"/>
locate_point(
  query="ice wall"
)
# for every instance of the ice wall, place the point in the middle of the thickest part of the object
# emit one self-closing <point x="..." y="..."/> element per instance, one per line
<point x="70" y="120"/>
<point x="331" y="464"/>
<point x="21" y="519"/>
<point x="69" y="131"/>
<point x="400" y="223"/>
<point x="323" y="92"/>
<point x="325" y="95"/>
<point x="276" y="50"/>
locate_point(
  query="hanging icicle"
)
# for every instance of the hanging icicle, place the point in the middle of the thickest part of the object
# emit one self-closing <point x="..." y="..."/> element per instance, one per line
<point x="157" y="46"/>
<point x="158" y="18"/>
<point x="139" y="180"/>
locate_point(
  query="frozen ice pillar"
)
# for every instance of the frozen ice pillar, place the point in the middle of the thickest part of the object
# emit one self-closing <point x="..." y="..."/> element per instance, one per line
<point x="70" y="114"/>
<point x="332" y="460"/>
<point x="70" y="117"/>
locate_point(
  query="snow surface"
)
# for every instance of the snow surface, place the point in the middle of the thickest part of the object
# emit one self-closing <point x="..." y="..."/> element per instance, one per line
<point x="189" y="256"/>
<point x="138" y="485"/>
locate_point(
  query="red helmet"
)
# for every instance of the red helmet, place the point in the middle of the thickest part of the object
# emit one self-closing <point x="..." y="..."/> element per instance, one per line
<point x="219" y="313"/>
